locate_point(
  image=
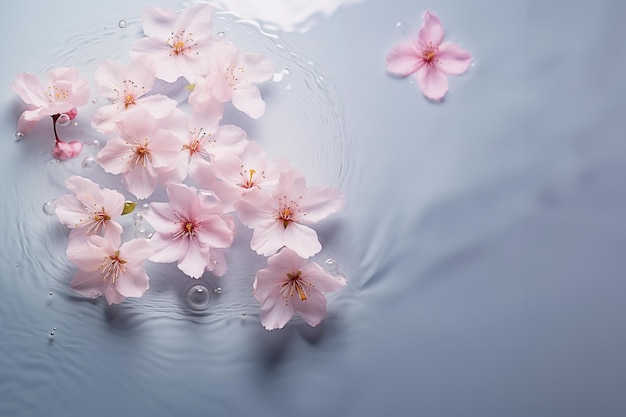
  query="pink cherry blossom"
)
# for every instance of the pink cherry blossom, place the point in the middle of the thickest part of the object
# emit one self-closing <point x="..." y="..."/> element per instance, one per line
<point x="144" y="153"/>
<point x="176" y="46"/>
<point x="232" y="176"/>
<point x="280" y="219"/>
<point x="106" y="267"/>
<point x="233" y="77"/>
<point x="429" y="59"/>
<point x="89" y="210"/>
<point x="64" y="91"/>
<point x="291" y="285"/>
<point x="126" y="87"/>
<point x="190" y="230"/>
<point x="206" y="139"/>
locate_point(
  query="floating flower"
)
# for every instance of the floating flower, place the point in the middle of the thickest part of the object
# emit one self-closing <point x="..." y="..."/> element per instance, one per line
<point x="429" y="59"/>
<point x="65" y="90"/>
<point x="232" y="176"/>
<point x="144" y="154"/>
<point x="176" y="46"/>
<point x="206" y="139"/>
<point x="106" y="267"/>
<point x="126" y="87"/>
<point x="233" y="77"/>
<point x="189" y="229"/>
<point x="280" y="219"/>
<point x="89" y="210"/>
<point x="291" y="285"/>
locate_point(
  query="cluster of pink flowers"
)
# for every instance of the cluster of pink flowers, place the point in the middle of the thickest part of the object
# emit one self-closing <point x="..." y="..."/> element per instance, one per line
<point x="154" y="141"/>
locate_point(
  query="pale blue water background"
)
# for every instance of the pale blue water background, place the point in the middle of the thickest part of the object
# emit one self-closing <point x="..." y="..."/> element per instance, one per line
<point x="484" y="238"/>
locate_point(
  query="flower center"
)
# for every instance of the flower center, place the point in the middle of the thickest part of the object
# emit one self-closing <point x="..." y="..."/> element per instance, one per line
<point x="98" y="222"/>
<point x="56" y="94"/>
<point x="233" y="76"/>
<point x="181" y="43"/>
<point x="112" y="267"/>
<point x="197" y="142"/>
<point x="187" y="228"/>
<point x="141" y="155"/>
<point x="250" y="181"/>
<point x="129" y="101"/>
<point x="295" y="284"/>
<point x="429" y="54"/>
<point x="288" y="211"/>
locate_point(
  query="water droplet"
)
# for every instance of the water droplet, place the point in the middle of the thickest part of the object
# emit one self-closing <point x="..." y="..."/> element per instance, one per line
<point x="95" y="143"/>
<point x="17" y="266"/>
<point x="198" y="298"/>
<point x="145" y="207"/>
<point x="89" y="162"/>
<point x="54" y="329"/>
<point x="220" y="35"/>
<point x="49" y="207"/>
<point x="207" y="193"/>
<point x="215" y="263"/>
<point x="94" y="100"/>
<point x="122" y="24"/>
<point x="19" y="136"/>
<point x="280" y="75"/>
<point x="52" y="333"/>
<point x="331" y="262"/>
<point x="50" y="293"/>
<point x="411" y="81"/>
<point x="95" y="294"/>
<point x="398" y="25"/>
<point x="74" y="124"/>
<point x="63" y="120"/>
<point x="244" y="314"/>
<point x="138" y="217"/>
<point x="141" y="233"/>
<point x="218" y="290"/>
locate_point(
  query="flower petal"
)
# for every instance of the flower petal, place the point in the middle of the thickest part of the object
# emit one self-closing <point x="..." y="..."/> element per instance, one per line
<point x="321" y="202"/>
<point x="322" y="280"/>
<point x="313" y="309"/>
<point x="248" y="100"/>
<point x="432" y="82"/>
<point x="194" y="261"/>
<point x="255" y="208"/>
<point x="301" y="239"/>
<point x="267" y="238"/>
<point x="88" y="284"/>
<point x="275" y="312"/>
<point x="133" y="283"/>
<point x="158" y="23"/>
<point x="431" y="32"/>
<point x="404" y="59"/>
<point x="452" y="59"/>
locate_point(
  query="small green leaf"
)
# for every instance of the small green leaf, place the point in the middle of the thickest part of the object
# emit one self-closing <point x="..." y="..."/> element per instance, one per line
<point x="129" y="206"/>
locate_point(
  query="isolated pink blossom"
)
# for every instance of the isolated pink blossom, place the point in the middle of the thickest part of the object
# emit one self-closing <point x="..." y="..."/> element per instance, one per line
<point x="280" y="219"/>
<point x="291" y="285"/>
<point x="106" y="267"/>
<point x="64" y="91"/>
<point x="233" y="76"/>
<point x="232" y="176"/>
<point x="189" y="230"/>
<point x="176" y="46"/>
<point x="429" y="59"/>
<point x="126" y="88"/>
<point x="89" y="210"/>
<point x="144" y="153"/>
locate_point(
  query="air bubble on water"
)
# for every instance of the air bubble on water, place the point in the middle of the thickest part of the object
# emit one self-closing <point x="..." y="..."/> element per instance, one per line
<point x="63" y="120"/>
<point x="95" y="143"/>
<point x="138" y="217"/>
<point x="141" y="233"/>
<point x="74" y="124"/>
<point x="145" y="207"/>
<point x="52" y="333"/>
<point x="220" y="35"/>
<point x="398" y="25"/>
<point x="94" y="100"/>
<point x="49" y="207"/>
<point x="198" y="298"/>
<point x="88" y="163"/>
<point x="50" y="293"/>
<point x="244" y="314"/>
<point x="19" y="136"/>
<point x="122" y="24"/>
<point x="218" y="290"/>
<point x="95" y="294"/>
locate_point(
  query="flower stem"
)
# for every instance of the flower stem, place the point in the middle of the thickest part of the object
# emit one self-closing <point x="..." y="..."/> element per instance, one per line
<point x="54" y="126"/>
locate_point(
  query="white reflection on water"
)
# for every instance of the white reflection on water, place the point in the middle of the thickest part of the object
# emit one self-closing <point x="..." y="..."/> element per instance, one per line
<point x="284" y="15"/>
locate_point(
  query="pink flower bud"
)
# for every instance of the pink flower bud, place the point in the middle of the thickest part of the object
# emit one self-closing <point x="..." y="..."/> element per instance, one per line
<point x="64" y="150"/>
